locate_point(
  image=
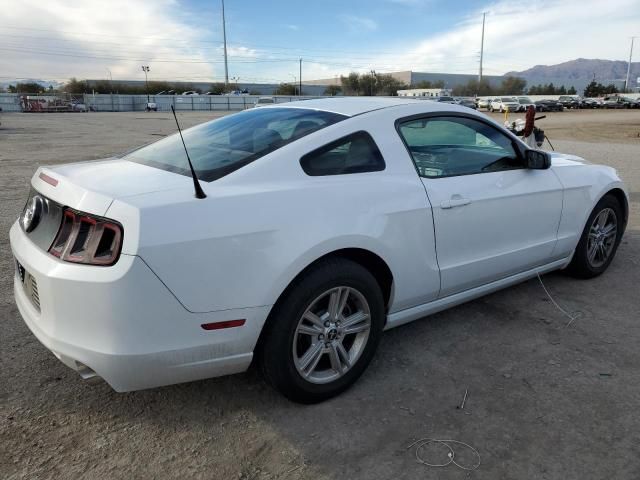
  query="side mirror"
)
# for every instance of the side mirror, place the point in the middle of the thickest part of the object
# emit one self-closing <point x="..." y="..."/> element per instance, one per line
<point x="537" y="160"/>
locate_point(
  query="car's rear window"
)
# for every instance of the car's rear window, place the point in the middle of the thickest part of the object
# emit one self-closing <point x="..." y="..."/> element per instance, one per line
<point x="222" y="146"/>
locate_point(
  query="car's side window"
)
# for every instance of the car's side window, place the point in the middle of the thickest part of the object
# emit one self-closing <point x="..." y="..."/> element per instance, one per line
<point x="449" y="146"/>
<point x="355" y="153"/>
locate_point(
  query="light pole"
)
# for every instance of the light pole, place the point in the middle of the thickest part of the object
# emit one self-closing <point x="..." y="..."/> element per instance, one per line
<point x="484" y="14"/>
<point x="626" y="82"/>
<point x="111" y="79"/>
<point x="145" y="69"/>
<point x="235" y="79"/>
<point x="224" y="37"/>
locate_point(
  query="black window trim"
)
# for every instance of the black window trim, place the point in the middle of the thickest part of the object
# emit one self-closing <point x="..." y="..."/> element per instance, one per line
<point x="336" y="143"/>
<point x="519" y="149"/>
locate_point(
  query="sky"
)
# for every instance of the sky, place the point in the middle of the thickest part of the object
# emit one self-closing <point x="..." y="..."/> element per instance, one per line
<point x="182" y="39"/>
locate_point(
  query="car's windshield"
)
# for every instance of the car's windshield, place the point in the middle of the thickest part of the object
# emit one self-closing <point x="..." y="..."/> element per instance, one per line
<point x="221" y="146"/>
<point x="508" y="99"/>
<point x="524" y="100"/>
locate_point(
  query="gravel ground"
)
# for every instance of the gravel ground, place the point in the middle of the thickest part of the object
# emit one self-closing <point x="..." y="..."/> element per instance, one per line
<point x="545" y="400"/>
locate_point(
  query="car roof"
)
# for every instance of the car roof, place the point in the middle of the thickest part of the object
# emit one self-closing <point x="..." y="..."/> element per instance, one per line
<point x="351" y="106"/>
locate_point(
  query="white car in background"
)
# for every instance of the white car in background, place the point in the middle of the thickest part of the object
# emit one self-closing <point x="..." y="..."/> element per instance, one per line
<point x="525" y="103"/>
<point x="502" y="104"/>
<point x="264" y="101"/>
<point x="302" y="232"/>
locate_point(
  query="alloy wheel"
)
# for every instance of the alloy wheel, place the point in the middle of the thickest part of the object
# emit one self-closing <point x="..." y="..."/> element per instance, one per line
<point x="602" y="237"/>
<point x="331" y="335"/>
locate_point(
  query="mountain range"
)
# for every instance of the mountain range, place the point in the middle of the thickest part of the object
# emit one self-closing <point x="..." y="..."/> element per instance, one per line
<point x="580" y="72"/>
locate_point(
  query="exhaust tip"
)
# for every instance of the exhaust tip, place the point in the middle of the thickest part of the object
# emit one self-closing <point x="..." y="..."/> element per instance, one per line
<point x="87" y="374"/>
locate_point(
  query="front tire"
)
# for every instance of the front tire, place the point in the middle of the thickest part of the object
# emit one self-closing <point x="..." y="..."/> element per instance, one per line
<point x="323" y="333"/>
<point x="600" y="239"/>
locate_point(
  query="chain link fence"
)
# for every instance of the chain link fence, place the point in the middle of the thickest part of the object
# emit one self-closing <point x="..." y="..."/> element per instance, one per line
<point x="14" y="102"/>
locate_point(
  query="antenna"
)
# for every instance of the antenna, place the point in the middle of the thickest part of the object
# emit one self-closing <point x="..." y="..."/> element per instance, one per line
<point x="196" y="183"/>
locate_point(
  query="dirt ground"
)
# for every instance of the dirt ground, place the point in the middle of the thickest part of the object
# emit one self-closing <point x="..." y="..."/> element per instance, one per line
<point x="546" y="400"/>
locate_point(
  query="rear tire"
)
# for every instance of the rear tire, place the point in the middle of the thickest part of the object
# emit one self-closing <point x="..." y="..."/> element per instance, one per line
<point x="599" y="241"/>
<point x="323" y="333"/>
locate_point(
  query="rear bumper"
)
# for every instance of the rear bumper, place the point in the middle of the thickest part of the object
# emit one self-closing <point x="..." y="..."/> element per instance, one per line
<point x="124" y="324"/>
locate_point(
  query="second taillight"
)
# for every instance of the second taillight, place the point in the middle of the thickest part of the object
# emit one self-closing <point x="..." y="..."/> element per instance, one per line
<point x="86" y="239"/>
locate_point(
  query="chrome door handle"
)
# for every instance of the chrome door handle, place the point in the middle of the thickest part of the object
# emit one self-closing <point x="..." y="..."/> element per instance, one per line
<point x="455" y="202"/>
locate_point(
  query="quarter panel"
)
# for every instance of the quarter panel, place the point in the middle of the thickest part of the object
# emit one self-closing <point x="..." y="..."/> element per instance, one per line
<point x="262" y="225"/>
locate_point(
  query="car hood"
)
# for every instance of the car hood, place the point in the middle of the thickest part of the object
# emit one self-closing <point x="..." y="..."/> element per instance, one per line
<point x="566" y="159"/>
<point x="92" y="186"/>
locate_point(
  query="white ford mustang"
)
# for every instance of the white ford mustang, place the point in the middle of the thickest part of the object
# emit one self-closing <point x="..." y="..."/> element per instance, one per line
<point x="318" y="225"/>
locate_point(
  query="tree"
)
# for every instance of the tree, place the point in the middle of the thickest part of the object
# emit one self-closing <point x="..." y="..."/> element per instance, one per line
<point x="351" y="83"/>
<point x="422" y="84"/>
<point x="29" y="87"/>
<point x="389" y="85"/>
<point x="218" y="88"/>
<point x="512" y="86"/>
<point x="572" y="90"/>
<point x="333" y="90"/>
<point x="562" y="90"/>
<point x="596" y="89"/>
<point x="286" y="89"/>
<point x="472" y="88"/>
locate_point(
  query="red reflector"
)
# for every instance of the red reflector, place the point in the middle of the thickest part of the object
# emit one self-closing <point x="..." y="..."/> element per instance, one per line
<point x="48" y="179"/>
<point x="223" y="324"/>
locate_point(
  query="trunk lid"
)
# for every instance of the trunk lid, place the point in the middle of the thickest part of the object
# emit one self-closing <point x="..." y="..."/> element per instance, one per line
<point x="93" y="186"/>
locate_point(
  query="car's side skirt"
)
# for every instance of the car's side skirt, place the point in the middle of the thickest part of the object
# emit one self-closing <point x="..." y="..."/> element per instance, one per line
<point x="419" y="311"/>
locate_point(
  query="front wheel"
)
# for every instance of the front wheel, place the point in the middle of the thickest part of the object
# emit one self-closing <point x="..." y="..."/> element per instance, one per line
<point x="323" y="333"/>
<point x="599" y="241"/>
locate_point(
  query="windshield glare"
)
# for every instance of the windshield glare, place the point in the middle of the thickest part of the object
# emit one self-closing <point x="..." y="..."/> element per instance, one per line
<point x="222" y="146"/>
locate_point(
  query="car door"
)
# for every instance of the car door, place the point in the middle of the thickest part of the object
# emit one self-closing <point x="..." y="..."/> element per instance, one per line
<point x="492" y="216"/>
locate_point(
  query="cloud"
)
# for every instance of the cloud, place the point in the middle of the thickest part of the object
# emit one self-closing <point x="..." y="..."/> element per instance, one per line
<point x="357" y="24"/>
<point x="57" y="39"/>
<point x="520" y="35"/>
<point x="295" y="28"/>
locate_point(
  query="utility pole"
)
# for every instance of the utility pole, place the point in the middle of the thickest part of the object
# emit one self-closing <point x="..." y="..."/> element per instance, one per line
<point x="145" y="69"/>
<point x="626" y="82"/>
<point x="224" y="37"/>
<point x="484" y="14"/>
<point x="300" y="79"/>
<point x="373" y="82"/>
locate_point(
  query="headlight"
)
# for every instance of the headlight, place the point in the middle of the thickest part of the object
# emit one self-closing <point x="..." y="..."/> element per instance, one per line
<point x="87" y="239"/>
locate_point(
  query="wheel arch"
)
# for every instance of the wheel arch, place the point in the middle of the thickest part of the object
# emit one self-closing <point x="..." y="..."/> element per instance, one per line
<point x="375" y="264"/>
<point x="619" y="195"/>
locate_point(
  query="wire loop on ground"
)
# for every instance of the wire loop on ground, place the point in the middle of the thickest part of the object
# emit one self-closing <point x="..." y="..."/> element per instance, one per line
<point x="419" y="444"/>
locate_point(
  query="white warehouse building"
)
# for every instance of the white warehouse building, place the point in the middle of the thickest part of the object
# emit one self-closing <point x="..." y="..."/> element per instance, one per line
<point x="425" y="92"/>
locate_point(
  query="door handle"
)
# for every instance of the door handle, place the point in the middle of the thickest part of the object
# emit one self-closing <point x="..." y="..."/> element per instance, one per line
<point x="456" y="201"/>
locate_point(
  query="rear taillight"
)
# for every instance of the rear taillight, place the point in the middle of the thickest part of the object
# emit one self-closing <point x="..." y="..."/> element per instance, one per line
<point x="83" y="238"/>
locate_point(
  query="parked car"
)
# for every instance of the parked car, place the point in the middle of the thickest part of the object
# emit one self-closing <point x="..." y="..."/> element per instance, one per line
<point x="166" y="92"/>
<point x="190" y="92"/>
<point x="614" y="102"/>
<point x="443" y="99"/>
<point x="525" y="102"/>
<point x="467" y="102"/>
<point x="264" y="101"/>
<point x="78" y="107"/>
<point x="502" y="104"/>
<point x="569" y="101"/>
<point x="151" y="107"/>
<point x="301" y="232"/>
<point x="549" y="106"/>
<point x="592" y="103"/>
<point x="631" y="102"/>
<point x="483" y="103"/>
